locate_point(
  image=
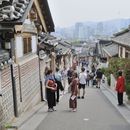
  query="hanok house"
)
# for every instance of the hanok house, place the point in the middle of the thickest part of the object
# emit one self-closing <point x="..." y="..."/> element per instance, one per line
<point x="20" y="22"/>
<point x="47" y="44"/>
<point x="64" y="54"/>
<point x="100" y="45"/>
<point x="122" y="39"/>
<point x="110" y="50"/>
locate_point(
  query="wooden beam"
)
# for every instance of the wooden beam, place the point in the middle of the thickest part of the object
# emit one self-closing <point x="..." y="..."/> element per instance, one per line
<point x="40" y="15"/>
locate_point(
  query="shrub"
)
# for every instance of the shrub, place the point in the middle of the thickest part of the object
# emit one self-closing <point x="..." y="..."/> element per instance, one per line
<point x="128" y="90"/>
<point x="107" y="72"/>
<point x="109" y="80"/>
<point x="116" y="64"/>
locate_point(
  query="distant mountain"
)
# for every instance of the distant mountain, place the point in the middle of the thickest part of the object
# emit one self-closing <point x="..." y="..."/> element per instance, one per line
<point x="92" y="30"/>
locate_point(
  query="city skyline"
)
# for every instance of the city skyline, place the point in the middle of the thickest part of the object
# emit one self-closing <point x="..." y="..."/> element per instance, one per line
<point x="67" y="12"/>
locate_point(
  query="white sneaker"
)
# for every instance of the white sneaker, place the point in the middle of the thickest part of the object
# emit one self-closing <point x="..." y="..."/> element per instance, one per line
<point x="74" y="110"/>
<point x="53" y="109"/>
<point x="50" y="110"/>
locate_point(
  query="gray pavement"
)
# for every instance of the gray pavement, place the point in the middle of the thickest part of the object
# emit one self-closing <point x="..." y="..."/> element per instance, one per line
<point x="97" y="111"/>
<point x="112" y="97"/>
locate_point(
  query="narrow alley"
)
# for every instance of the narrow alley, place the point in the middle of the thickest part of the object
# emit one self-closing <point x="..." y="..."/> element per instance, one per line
<point x="94" y="112"/>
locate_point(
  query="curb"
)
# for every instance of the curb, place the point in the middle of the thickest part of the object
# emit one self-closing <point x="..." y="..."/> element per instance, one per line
<point x="20" y="121"/>
<point x="111" y="96"/>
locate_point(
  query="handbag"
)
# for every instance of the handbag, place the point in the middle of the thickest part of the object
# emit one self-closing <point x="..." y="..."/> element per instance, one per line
<point x="52" y="84"/>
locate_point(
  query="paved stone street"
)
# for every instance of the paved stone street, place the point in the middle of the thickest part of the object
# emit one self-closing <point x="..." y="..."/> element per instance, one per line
<point x="95" y="112"/>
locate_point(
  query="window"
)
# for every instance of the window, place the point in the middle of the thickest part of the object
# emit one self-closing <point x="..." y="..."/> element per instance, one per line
<point x="27" y="45"/>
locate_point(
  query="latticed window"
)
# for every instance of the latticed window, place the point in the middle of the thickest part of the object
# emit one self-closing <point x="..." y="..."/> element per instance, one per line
<point x="27" y="45"/>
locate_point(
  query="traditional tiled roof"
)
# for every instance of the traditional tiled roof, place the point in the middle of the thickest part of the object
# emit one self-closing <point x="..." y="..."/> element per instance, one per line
<point x="111" y="50"/>
<point x="65" y="43"/>
<point x="47" y="41"/>
<point x="14" y="12"/>
<point x="47" y="38"/>
<point x="61" y="50"/>
<point x="121" y="32"/>
<point x="123" y="39"/>
<point x="84" y="52"/>
<point x="104" y="41"/>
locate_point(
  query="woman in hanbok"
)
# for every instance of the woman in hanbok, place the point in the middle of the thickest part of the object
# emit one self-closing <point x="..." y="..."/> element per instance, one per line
<point x="74" y="91"/>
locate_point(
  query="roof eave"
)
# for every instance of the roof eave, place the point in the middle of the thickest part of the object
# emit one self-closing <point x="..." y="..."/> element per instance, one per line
<point x="21" y="20"/>
<point x="47" y="15"/>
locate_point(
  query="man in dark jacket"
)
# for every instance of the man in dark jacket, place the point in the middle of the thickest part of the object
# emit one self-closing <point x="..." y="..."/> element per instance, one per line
<point x="99" y="75"/>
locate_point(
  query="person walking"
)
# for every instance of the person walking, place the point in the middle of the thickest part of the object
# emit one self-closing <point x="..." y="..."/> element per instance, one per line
<point x="74" y="91"/>
<point x="92" y="75"/>
<point x="88" y="78"/>
<point x="64" y="77"/>
<point x="69" y="75"/>
<point x="82" y="82"/>
<point x="99" y="75"/>
<point x="51" y="87"/>
<point x="120" y="88"/>
<point x="58" y="79"/>
<point x="93" y="69"/>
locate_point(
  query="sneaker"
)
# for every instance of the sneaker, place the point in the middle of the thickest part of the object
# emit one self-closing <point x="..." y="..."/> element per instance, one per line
<point x="74" y="110"/>
<point x="50" y="110"/>
<point x="53" y="109"/>
<point x="82" y="97"/>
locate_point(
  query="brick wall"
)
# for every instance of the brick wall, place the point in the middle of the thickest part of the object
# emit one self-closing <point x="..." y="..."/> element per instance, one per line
<point x="27" y="88"/>
<point x="29" y="83"/>
<point x="43" y="65"/>
<point x="17" y="83"/>
<point x="6" y="104"/>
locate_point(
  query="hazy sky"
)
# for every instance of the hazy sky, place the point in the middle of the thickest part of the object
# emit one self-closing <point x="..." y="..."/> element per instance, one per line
<point x="67" y="12"/>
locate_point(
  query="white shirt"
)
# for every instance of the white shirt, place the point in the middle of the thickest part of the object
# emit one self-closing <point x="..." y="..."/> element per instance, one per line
<point x="82" y="78"/>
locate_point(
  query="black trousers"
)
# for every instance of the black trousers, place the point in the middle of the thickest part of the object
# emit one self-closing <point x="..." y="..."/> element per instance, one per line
<point x="120" y="98"/>
<point x="58" y="94"/>
<point x="51" y="98"/>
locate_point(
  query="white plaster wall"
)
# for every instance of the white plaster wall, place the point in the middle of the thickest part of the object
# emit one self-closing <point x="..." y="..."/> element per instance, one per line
<point x="119" y="51"/>
<point x="123" y="52"/>
<point x="34" y="44"/>
<point x="19" y="46"/>
<point x="113" y="82"/>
